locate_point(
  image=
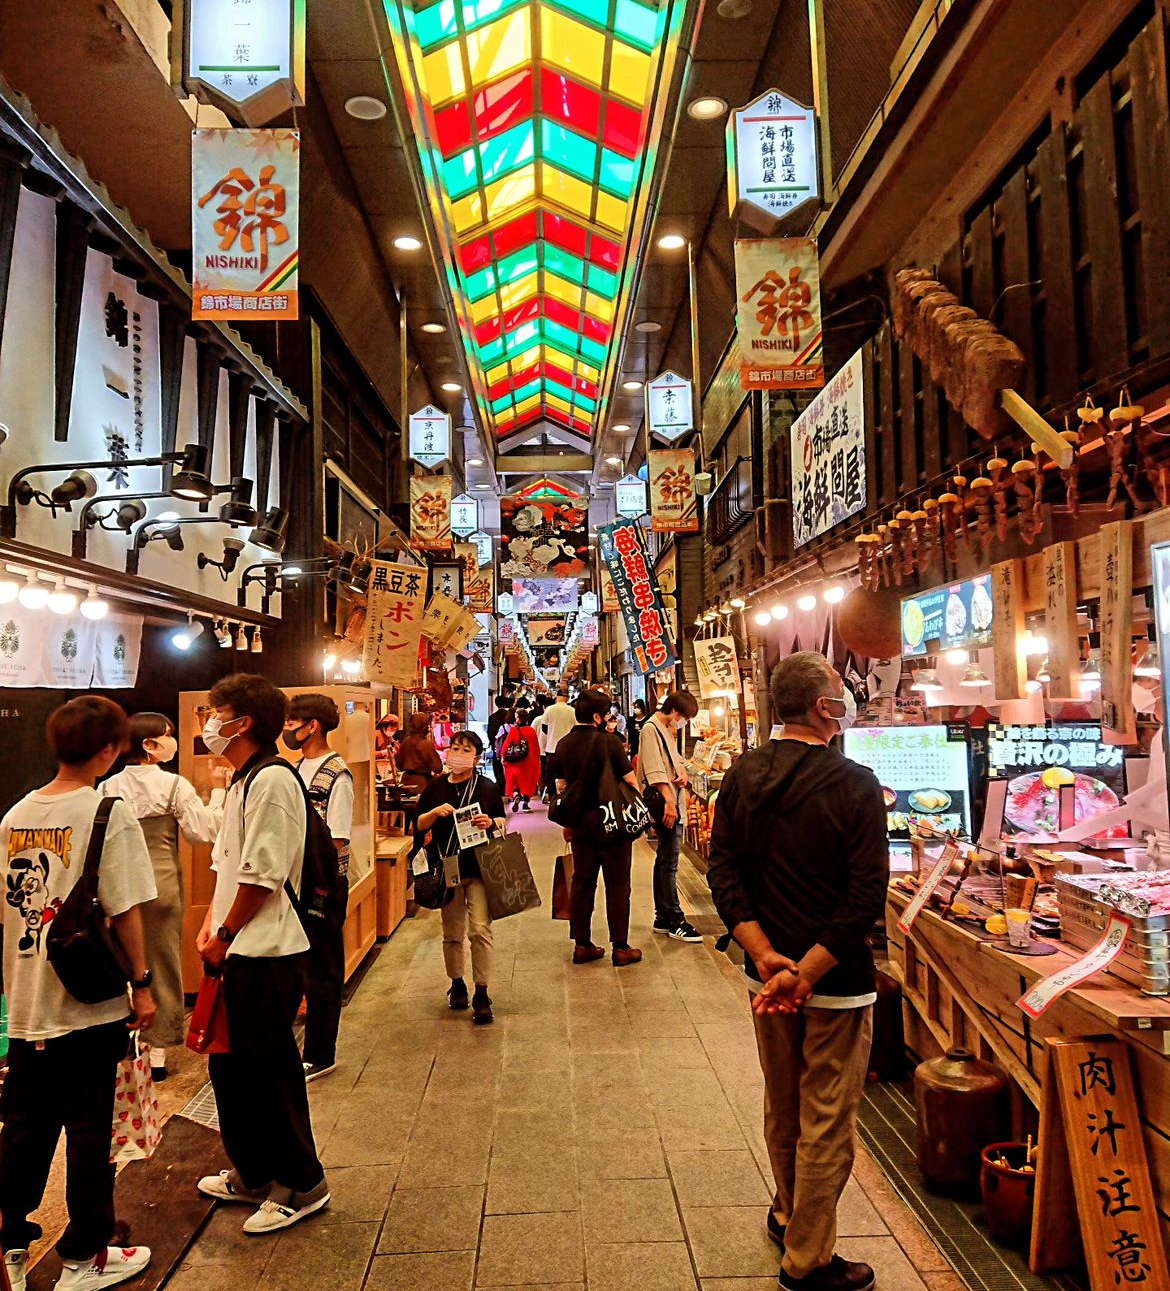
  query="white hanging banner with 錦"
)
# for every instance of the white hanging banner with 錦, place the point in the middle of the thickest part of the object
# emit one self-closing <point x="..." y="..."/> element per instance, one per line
<point x="68" y="643"/>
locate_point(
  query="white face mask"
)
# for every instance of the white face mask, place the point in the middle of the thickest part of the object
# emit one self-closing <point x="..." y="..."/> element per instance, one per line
<point x="216" y="743"/>
<point x="162" y="747"/>
<point x="460" y="760"/>
<point x="846" y="719"/>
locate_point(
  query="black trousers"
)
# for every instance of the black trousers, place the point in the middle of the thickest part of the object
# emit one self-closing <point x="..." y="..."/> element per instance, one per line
<point x="613" y="861"/>
<point x="260" y="1086"/>
<point x="68" y="1084"/>
<point x="324" y="987"/>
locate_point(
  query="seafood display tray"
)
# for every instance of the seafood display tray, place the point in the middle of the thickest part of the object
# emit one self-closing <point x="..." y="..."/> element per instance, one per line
<point x="1145" y="960"/>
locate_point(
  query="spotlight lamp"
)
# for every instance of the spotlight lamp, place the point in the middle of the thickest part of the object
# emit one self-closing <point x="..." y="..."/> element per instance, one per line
<point x="223" y="634"/>
<point x="257" y="641"/>
<point x="61" y="599"/>
<point x="9" y="587"/>
<point x="238" y="510"/>
<point x="191" y="479"/>
<point x="806" y="602"/>
<point x="738" y="603"/>
<point x="232" y="550"/>
<point x="241" y="638"/>
<point x="79" y="485"/>
<point x="271" y="533"/>
<point x="185" y="637"/>
<point x="779" y="612"/>
<point x="34" y="595"/>
<point x="762" y="618"/>
<point x="94" y="606"/>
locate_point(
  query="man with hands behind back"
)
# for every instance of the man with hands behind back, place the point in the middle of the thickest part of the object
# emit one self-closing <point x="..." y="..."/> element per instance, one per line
<point x="798" y="871"/>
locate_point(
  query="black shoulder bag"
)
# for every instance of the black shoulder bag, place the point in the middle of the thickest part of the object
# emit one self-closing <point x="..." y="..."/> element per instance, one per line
<point x="81" y="946"/>
<point x="654" y="795"/>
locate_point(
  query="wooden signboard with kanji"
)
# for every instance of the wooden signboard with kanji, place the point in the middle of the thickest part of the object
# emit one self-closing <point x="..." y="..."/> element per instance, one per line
<point x="1007" y="629"/>
<point x="1060" y="620"/>
<point x="1116" y="624"/>
<point x="1091" y="1146"/>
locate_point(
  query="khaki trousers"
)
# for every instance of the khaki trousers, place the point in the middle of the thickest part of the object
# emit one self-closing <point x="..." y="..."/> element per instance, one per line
<point x="814" y="1066"/>
<point x="466" y="917"/>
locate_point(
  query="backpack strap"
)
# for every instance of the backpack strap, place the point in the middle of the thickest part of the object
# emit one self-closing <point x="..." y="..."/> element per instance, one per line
<point x="278" y="761"/>
<point x="97" y="840"/>
<point x="326" y="776"/>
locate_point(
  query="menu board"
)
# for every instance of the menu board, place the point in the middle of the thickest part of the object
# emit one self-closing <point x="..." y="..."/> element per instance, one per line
<point x="1037" y="761"/>
<point x="957" y="617"/>
<point x="924" y="772"/>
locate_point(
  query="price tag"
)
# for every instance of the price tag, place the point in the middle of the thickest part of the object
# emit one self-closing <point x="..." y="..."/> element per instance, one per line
<point x="926" y="889"/>
<point x="1049" y="989"/>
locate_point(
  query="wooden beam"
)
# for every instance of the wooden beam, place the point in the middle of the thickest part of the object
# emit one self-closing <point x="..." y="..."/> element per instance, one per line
<point x="1054" y="232"/>
<point x="543" y="463"/>
<point x="1151" y="137"/>
<point x="207" y="367"/>
<point x="239" y="400"/>
<point x="73" y="226"/>
<point x="265" y="425"/>
<point x="172" y="335"/>
<point x="1102" y="221"/>
<point x="12" y="164"/>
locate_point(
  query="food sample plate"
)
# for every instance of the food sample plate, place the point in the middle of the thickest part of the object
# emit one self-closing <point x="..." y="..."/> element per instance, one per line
<point x="1034" y="808"/>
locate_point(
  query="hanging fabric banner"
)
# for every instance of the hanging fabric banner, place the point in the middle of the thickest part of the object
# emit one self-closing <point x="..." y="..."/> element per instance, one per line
<point x="828" y="455"/>
<point x="68" y="643"/>
<point x="480" y="590"/>
<point x="544" y="537"/>
<point x="245" y="224"/>
<point x="546" y="632"/>
<point x="393" y="623"/>
<point x="117" y="650"/>
<point x="22" y="650"/>
<point x="777" y="282"/>
<point x="674" y="505"/>
<point x="717" y="666"/>
<point x="448" y="624"/>
<point x="430" y="512"/>
<point x="623" y="548"/>
<point x="609" y="597"/>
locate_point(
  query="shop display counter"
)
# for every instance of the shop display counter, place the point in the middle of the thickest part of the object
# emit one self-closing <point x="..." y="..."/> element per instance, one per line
<point x="393" y="867"/>
<point x="961" y="990"/>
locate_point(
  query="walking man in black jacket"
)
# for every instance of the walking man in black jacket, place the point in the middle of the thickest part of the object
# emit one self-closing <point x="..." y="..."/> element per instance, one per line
<point x="798" y="870"/>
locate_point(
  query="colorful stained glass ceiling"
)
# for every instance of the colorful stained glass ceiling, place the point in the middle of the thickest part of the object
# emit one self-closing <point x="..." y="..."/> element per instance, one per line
<point x="534" y="121"/>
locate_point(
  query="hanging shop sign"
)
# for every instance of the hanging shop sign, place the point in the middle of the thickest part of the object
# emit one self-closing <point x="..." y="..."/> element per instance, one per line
<point x="430" y="512"/>
<point x="772" y="156"/>
<point x="505" y="603"/>
<point x="430" y="440"/>
<point x="717" y="666"/>
<point x="777" y="283"/>
<point x="670" y="412"/>
<point x="447" y="624"/>
<point x="1116" y="626"/>
<point x="828" y="456"/>
<point x="506" y="631"/>
<point x="479" y="585"/>
<point x="589" y="631"/>
<point x="674" y="505"/>
<point x="483" y="543"/>
<point x="623" y="548"/>
<point x="394" y="613"/>
<point x="609" y="597"/>
<point x="589" y="603"/>
<point x="630" y="496"/>
<point x="117" y="650"/>
<point x="67" y="652"/>
<point x="447" y="578"/>
<point x="544" y="538"/>
<point x="246" y="59"/>
<point x="547" y="631"/>
<point x="958" y="617"/>
<point x="545" y="595"/>
<point x="245" y="228"/>
<point x="464" y="514"/>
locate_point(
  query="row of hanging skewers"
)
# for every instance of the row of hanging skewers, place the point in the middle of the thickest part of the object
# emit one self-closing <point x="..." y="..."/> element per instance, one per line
<point x="978" y="509"/>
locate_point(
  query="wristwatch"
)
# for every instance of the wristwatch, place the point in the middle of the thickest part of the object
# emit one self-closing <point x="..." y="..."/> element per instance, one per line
<point x="225" y="934"/>
<point x="141" y="983"/>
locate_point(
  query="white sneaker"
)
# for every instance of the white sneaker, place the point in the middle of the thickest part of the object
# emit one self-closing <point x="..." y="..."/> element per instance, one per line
<point x="228" y="1186"/>
<point x="107" y="1268"/>
<point x="284" y="1208"/>
<point x="16" y="1263"/>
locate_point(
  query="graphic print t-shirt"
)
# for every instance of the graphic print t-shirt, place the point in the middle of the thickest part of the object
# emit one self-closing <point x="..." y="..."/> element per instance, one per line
<point x="43" y="840"/>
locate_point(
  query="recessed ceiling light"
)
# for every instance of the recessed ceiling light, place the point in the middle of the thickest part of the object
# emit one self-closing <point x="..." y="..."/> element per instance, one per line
<point x="648" y="325"/>
<point x="407" y="243"/>
<point x="482" y="486"/>
<point x="613" y="461"/>
<point x="631" y="385"/>
<point x="475" y="461"/>
<point x="365" y="107"/>
<point x="672" y="241"/>
<point x="451" y="387"/>
<point x="734" y="8"/>
<point x="434" y="329"/>
<point x="710" y="108"/>
<point x="620" y="429"/>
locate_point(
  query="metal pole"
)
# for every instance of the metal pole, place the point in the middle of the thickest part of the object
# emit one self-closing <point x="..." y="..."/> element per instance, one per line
<point x="696" y="379"/>
<point x="404" y="374"/>
<point x="820" y="83"/>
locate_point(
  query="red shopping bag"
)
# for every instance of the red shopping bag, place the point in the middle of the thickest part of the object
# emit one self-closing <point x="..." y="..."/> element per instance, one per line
<point x="208" y="1032"/>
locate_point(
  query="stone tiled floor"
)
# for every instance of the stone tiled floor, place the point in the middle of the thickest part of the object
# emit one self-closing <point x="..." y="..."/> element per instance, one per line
<point x="604" y="1133"/>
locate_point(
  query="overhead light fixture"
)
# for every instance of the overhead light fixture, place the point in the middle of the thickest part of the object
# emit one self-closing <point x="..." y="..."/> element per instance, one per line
<point x="957" y="657"/>
<point x="481" y="486"/>
<point x="672" y="241"/>
<point x="191" y="479"/>
<point x="434" y="329"/>
<point x="9" y="588"/>
<point x="1032" y="686"/>
<point x="708" y="108"/>
<point x="926" y="681"/>
<point x="779" y="612"/>
<point x="475" y="461"/>
<point x="1035" y="644"/>
<point x="184" y="638"/>
<point x="223" y="634"/>
<point x="806" y="602"/>
<point x="364" y="107"/>
<point x="614" y="461"/>
<point x="407" y="243"/>
<point x="648" y="325"/>
<point x="61" y="599"/>
<point x="975" y="677"/>
<point x="241" y="638"/>
<point x="631" y="385"/>
<point x="329" y="662"/>
<point x="291" y="571"/>
<point x="270" y="534"/>
<point x="257" y="641"/>
<point x="733" y="8"/>
<point x="351" y="666"/>
<point x="834" y="594"/>
<point x="1147" y="668"/>
<point x="738" y="603"/>
<point x="1044" y="674"/>
<point x="34" y="595"/>
<point x="129" y="513"/>
<point x="451" y="387"/>
<point x="238" y="510"/>
<point x="621" y="428"/>
<point x="79" y="485"/>
<point x="94" y="606"/>
<point x="166" y="521"/>
<point x="762" y="618"/>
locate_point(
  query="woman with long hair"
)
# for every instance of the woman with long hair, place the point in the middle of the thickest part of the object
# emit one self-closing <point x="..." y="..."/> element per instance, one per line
<point x="418" y="759"/>
<point x="164" y="803"/>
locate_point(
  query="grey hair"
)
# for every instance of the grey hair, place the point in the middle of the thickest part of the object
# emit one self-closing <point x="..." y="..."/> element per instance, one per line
<point x="797" y="683"/>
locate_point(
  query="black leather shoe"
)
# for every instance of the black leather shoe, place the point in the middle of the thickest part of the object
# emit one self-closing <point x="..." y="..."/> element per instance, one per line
<point x="481" y="1006"/>
<point x="837" y="1275"/>
<point x="457" y="995"/>
<point x="776" y="1229"/>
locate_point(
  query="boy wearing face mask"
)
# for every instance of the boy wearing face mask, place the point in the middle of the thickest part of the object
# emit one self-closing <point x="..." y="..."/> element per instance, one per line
<point x="164" y="804"/>
<point x="330" y="784"/>
<point x="660" y="763"/>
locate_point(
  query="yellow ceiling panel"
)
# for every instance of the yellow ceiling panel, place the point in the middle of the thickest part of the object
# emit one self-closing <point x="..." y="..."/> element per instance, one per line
<point x="629" y="73"/>
<point x="501" y="47"/>
<point x="562" y="290"/>
<point x="516" y="293"/>
<point x="444" y="72"/>
<point x="612" y="212"/>
<point x="511" y="191"/>
<point x="568" y="191"/>
<point x="467" y="212"/>
<point x="599" y="307"/>
<point x="484" y="308"/>
<point x="572" y="46"/>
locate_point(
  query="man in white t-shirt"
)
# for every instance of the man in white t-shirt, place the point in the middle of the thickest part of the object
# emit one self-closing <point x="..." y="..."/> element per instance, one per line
<point x="559" y="720"/>
<point x="329" y="781"/>
<point x="253" y="936"/>
<point x="63" y="1055"/>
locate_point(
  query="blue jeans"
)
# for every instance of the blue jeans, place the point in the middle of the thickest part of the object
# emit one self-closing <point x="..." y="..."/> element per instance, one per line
<point x="667" y="911"/>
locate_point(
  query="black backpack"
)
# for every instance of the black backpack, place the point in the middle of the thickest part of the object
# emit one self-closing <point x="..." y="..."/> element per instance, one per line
<point x="324" y="896"/>
<point x="82" y="948"/>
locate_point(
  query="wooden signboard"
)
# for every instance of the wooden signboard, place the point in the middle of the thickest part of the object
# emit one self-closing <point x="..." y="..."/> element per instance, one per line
<point x="1007" y="629"/>
<point x="1092" y="1146"/>
<point x="1117" y="627"/>
<point x="1060" y="620"/>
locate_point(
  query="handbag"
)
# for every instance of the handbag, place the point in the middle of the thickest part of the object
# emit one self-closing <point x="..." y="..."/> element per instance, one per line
<point x="507" y="876"/>
<point x="621" y="816"/>
<point x="435" y="881"/>
<point x="562" y="891"/>
<point x="517" y="752"/>
<point x="81" y="946"/>
<point x="208" y="1032"/>
<point x="136" y="1129"/>
<point x="654" y="795"/>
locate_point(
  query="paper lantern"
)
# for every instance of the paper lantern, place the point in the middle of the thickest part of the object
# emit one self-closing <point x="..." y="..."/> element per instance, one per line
<point x="870" y="623"/>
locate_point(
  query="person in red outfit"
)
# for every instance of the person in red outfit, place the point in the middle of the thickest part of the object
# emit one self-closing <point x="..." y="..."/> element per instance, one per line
<point x="521" y="774"/>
